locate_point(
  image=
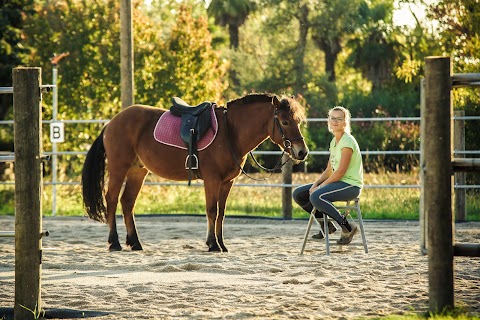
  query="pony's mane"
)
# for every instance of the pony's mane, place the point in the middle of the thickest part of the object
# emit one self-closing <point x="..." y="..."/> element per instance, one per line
<point x="251" y="98"/>
<point x="286" y="103"/>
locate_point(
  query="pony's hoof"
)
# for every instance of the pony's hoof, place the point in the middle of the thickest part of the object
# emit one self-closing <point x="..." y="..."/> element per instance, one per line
<point x="137" y="246"/>
<point x="224" y="249"/>
<point x="214" y="249"/>
<point x="115" y="247"/>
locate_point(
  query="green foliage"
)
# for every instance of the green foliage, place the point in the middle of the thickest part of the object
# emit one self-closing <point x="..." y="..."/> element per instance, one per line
<point x="455" y="314"/>
<point x="36" y="312"/>
<point x="176" y="55"/>
<point x="89" y="76"/>
<point x="183" y="65"/>
<point x="458" y="30"/>
<point x="398" y="203"/>
<point x="7" y="199"/>
<point x="231" y="12"/>
<point x="375" y="46"/>
<point x="13" y="51"/>
<point x="458" y="35"/>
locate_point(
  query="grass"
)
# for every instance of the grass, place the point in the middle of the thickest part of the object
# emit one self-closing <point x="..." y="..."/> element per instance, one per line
<point x="431" y="317"/>
<point x="376" y="203"/>
<point x="457" y="313"/>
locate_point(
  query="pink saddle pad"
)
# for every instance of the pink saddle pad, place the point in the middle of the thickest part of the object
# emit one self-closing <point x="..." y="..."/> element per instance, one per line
<point x="167" y="131"/>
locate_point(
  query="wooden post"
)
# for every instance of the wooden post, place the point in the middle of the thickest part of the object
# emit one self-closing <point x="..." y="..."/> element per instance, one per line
<point x="126" y="53"/>
<point x="438" y="181"/>
<point x="287" y="191"/>
<point x="460" y="179"/>
<point x="28" y="190"/>
<point x="423" y="193"/>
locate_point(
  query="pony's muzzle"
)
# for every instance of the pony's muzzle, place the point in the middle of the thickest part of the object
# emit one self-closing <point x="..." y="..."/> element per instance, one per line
<point x="302" y="154"/>
<point x="299" y="153"/>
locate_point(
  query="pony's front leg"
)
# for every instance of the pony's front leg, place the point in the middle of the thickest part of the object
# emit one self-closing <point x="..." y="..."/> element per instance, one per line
<point x="222" y="203"/>
<point x="211" y="198"/>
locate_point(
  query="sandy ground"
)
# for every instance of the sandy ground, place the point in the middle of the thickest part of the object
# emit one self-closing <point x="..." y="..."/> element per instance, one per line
<point x="263" y="275"/>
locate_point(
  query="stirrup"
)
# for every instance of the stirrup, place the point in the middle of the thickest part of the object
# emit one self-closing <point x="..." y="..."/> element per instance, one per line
<point x="195" y="161"/>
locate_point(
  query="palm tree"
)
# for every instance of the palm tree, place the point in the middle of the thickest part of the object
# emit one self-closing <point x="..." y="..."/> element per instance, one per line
<point x="375" y="45"/>
<point x="331" y="24"/>
<point x="231" y="13"/>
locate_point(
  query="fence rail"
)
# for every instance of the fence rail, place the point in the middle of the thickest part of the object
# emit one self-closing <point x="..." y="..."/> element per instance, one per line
<point x="9" y="157"/>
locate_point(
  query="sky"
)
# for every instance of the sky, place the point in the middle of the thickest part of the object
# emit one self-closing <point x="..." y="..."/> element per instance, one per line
<point x="402" y="16"/>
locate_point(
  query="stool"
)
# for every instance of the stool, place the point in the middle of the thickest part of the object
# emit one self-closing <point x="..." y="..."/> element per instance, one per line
<point x="346" y="208"/>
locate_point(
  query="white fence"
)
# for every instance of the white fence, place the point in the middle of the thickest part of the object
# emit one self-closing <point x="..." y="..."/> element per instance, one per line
<point x="54" y="155"/>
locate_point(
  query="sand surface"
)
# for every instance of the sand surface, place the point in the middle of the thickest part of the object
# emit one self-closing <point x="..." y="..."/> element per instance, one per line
<point x="263" y="276"/>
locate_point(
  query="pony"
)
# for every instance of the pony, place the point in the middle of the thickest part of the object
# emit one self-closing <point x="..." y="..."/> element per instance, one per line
<point x="126" y="148"/>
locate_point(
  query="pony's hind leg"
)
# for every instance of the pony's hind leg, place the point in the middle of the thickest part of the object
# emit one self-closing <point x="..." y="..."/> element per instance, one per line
<point x="114" y="185"/>
<point x="135" y="178"/>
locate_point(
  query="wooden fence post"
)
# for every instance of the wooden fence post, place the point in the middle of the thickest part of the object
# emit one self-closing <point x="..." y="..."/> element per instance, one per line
<point x="126" y="53"/>
<point x="423" y="193"/>
<point x="28" y="190"/>
<point x="438" y="181"/>
<point x="287" y="191"/>
<point x="460" y="179"/>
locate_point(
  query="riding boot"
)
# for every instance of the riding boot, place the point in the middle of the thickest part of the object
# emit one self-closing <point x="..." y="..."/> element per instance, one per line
<point x="331" y="229"/>
<point x="348" y="231"/>
<point x="345" y="224"/>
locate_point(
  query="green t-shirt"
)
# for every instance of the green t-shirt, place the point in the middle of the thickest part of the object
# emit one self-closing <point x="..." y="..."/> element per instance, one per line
<point x="354" y="174"/>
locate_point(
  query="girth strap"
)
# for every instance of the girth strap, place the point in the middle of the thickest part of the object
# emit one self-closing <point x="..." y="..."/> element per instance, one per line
<point x="195" y="122"/>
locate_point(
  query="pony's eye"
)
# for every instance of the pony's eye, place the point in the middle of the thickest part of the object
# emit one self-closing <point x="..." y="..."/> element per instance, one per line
<point x="284" y="123"/>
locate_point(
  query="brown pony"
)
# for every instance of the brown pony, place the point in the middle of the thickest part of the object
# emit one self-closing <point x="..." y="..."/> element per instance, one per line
<point x="127" y="144"/>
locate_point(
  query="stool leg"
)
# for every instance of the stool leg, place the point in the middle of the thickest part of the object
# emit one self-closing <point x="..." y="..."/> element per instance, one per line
<point x="325" y="228"/>
<point x="310" y="222"/>
<point x="360" y="222"/>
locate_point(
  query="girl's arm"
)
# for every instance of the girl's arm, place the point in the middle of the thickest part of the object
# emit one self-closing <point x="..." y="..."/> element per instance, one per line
<point x="342" y="168"/>
<point x="324" y="176"/>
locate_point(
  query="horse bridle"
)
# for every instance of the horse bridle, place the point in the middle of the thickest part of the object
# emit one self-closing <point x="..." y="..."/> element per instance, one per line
<point x="287" y="144"/>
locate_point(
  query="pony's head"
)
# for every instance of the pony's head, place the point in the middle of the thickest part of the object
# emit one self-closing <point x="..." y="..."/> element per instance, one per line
<point x="288" y="116"/>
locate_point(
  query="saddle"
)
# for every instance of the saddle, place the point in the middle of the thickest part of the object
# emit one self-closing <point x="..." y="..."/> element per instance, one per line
<point x="196" y="120"/>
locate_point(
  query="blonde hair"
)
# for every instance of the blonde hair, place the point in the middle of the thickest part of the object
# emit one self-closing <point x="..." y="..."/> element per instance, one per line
<point x="347" y="116"/>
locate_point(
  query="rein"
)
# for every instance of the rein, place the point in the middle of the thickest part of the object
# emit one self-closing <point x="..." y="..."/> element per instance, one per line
<point x="286" y="143"/>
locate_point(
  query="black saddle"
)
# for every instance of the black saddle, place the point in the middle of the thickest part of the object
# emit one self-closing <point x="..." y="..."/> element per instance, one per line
<point x="180" y="107"/>
<point x="196" y="120"/>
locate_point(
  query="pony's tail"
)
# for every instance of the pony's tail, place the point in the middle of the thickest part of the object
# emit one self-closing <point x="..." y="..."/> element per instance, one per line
<point x="93" y="180"/>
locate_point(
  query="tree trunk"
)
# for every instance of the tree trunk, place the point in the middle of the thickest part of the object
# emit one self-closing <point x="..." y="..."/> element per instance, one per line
<point x="234" y="38"/>
<point x="299" y="66"/>
<point x="331" y="49"/>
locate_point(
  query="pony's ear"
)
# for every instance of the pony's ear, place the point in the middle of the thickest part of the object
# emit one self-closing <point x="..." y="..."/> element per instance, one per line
<point x="275" y="100"/>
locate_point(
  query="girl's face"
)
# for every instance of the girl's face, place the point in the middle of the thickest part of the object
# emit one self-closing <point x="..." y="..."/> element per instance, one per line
<point x="336" y="120"/>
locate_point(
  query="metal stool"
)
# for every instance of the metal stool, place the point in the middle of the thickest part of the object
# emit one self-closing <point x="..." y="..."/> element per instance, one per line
<point x="346" y="208"/>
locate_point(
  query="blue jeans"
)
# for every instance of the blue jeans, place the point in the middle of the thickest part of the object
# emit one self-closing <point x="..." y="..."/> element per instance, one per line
<point x="323" y="197"/>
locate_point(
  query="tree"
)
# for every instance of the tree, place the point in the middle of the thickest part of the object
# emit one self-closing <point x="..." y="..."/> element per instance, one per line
<point x="374" y="46"/>
<point x="458" y="30"/>
<point x="334" y="21"/>
<point x="184" y="64"/>
<point x="287" y="16"/>
<point x="13" y="53"/>
<point x="231" y="13"/>
<point x="458" y="33"/>
<point x="181" y="64"/>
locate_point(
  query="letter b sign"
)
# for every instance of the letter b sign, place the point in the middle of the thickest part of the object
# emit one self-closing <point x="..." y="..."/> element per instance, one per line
<point x="57" y="133"/>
